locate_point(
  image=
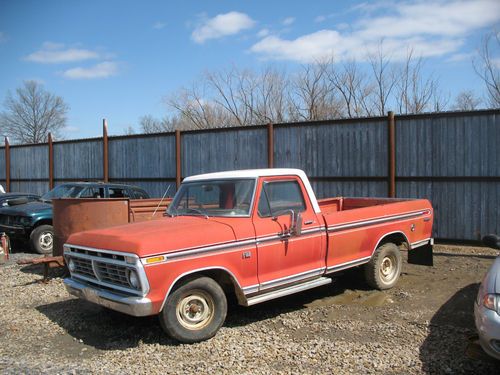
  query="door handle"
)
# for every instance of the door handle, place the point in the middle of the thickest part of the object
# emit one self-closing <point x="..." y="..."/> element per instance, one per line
<point x="308" y="222"/>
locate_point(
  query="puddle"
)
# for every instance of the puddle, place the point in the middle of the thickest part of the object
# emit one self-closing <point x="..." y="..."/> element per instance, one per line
<point x="354" y="297"/>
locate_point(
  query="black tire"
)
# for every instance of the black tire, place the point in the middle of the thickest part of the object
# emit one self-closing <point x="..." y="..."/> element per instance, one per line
<point x="194" y="311"/>
<point x="383" y="270"/>
<point x="42" y="239"/>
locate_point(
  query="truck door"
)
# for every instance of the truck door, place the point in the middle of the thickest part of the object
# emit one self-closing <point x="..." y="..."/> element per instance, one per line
<point x="283" y="258"/>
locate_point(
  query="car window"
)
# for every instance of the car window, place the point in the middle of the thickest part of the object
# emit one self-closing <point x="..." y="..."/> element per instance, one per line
<point x="280" y="196"/>
<point x="139" y="194"/>
<point x="117" y="192"/>
<point x="92" y="192"/>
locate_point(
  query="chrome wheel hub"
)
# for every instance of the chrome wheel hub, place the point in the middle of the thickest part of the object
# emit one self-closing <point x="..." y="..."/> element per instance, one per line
<point x="46" y="240"/>
<point x="195" y="310"/>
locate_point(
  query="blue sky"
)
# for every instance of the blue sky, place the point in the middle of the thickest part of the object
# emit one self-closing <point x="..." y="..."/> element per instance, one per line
<point x="119" y="59"/>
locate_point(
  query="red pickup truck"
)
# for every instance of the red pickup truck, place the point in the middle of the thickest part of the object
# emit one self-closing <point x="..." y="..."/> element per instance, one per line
<point x="254" y="235"/>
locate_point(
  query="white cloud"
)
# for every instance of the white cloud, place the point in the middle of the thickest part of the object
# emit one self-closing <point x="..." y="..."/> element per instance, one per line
<point x="288" y="21"/>
<point x="102" y="70"/>
<point x="54" y="53"/>
<point x="462" y="56"/>
<point x="262" y="33"/>
<point x="431" y="28"/>
<point x="319" y="19"/>
<point x="159" y="25"/>
<point x="222" y="25"/>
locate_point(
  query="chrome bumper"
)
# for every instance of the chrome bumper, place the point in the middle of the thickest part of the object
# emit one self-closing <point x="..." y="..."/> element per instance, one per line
<point x="135" y="306"/>
<point x="488" y="328"/>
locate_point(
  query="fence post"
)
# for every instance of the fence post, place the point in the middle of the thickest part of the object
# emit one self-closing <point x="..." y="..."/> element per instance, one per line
<point x="105" y="164"/>
<point x="51" y="163"/>
<point x="7" y="165"/>
<point x="270" y="145"/>
<point x="391" y="175"/>
<point x="178" y="161"/>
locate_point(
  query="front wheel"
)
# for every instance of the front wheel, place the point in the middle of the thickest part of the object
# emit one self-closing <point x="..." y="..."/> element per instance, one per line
<point x="383" y="270"/>
<point x="195" y="311"/>
<point x="42" y="239"/>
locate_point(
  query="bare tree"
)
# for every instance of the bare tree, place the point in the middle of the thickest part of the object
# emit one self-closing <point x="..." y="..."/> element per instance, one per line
<point x="414" y="93"/>
<point x="353" y="88"/>
<point x="312" y="97"/>
<point x="32" y="113"/>
<point x="488" y="68"/>
<point x="384" y="77"/>
<point x="467" y="101"/>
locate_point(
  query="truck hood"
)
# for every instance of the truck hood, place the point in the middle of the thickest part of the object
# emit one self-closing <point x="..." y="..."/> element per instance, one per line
<point x="27" y="209"/>
<point x="156" y="236"/>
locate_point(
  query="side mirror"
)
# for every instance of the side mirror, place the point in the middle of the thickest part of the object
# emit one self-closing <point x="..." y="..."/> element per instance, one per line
<point x="295" y="223"/>
<point x="492" y="240"/>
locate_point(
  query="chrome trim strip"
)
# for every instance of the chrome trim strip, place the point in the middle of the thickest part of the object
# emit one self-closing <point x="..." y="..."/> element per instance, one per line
<point x="99" y="259"/>
<point x="352" y="263"/>
<point x="291" y="279"/>
<point x="122" y="253"/>
<point x="289" y="290"/>
<point x="414" y="245"/>
<point x="207" y="249"/>
<point x="250" y="289"/>
<point x="362" y="223"/>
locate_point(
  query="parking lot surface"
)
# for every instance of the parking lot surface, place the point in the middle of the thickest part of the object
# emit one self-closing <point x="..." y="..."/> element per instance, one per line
<point x="424" y="325"/>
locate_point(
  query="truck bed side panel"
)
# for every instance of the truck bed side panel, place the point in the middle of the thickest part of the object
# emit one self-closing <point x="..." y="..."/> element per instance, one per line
<point x="355" y="233"/>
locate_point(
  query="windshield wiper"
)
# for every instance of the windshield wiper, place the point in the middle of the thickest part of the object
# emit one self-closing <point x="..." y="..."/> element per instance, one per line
<point x="198" y="211"/>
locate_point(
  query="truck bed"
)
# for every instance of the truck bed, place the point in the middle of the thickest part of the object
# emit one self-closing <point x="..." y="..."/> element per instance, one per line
<point x="330" y="205"/>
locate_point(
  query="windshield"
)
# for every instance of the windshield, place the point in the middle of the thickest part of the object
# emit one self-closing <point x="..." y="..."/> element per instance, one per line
<point x="214" y="198"/>
<point x="63" y="191"/>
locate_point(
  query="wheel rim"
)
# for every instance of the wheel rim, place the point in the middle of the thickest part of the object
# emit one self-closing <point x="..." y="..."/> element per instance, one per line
<point x="388" y="268"/>
<point x="196" y="310"/>
<point x="46" y="240"/>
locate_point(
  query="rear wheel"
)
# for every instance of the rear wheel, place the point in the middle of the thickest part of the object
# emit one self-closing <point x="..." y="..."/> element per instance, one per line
<point x="195" y="311"/>
<point x="383" y="270"/>
<point x="42" y="239"/>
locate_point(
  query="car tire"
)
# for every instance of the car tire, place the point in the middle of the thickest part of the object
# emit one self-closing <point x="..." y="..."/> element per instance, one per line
<point x="383" y="270"/>
<point x="194" y="311"/>
<point x="42" y="239"/>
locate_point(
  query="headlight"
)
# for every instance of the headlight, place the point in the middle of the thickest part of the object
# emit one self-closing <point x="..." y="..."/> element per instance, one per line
<point x="23" y="220"/>
<point x="71" y="265"/>
<point x="133" y="279"/>
<point x="490" y="302"/>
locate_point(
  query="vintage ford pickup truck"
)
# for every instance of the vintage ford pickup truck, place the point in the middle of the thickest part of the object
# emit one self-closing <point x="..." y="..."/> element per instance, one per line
<point x="252" y="235"/>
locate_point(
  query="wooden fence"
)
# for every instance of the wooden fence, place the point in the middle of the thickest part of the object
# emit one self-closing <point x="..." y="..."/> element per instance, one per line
<point x="452" y="158"/>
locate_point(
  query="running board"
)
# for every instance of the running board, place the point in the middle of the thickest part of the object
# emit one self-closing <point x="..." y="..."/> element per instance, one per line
<point x="286" y="291"/>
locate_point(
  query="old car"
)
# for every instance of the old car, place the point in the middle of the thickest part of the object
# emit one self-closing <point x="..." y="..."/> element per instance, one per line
<point x="487" y="304"/>
<point x="12" y="199"/>
<point x="254" y="235"/>
<point x="32" y="221"/>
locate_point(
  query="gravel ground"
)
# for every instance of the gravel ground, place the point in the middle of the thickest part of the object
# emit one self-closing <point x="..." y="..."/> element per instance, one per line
<point x="424" y="325"/>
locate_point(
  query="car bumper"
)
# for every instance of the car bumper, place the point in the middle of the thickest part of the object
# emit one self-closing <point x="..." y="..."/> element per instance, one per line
<point x="135" y="306"/>
<point x="488" y="328"/>
<point x="14" y="230"/>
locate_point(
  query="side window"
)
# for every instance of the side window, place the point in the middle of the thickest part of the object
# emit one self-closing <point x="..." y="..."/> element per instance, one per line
<point x="280" y="196"/>
<point x="139" y="194"/>
<point x="116" y="192"/>
<point x="89" y="192"/>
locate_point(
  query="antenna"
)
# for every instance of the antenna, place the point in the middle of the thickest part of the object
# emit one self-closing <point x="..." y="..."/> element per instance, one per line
<point x="161" y="201"/>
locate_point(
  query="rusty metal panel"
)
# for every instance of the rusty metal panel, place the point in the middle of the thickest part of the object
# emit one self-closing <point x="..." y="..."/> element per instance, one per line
<point x="78" y="160"/>
<point x="223" y="150"/>
<point x="77" y="215"/>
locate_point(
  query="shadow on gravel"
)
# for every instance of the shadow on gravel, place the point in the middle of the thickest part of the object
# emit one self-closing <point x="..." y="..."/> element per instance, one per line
<point x="102" y="328"/>
<point x="446" y="346"/>
<point x="349" y="280"/>
<point x="106" y="329"/>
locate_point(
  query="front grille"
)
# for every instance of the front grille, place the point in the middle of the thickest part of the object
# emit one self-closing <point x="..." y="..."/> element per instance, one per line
<point x="111" y="273"/>
<point x="104" y="269"/>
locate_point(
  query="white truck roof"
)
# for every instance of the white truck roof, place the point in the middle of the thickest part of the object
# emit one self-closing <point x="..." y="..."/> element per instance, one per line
<point x="255" y="173"/>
